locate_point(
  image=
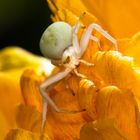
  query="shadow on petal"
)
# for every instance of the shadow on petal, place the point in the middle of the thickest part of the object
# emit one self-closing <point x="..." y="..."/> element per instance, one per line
<point x="101" y="130"/>
<point x="121" y="106"/>
<point x="21" y="134"/>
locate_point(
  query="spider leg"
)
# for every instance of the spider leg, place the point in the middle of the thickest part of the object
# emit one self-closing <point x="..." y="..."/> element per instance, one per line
<point x="86" y="63"/>
<point x="45" y="87"/>
<point x="97" y="41"/>
<point x="75" y="42"/>
<point x="87" y="36"/>
<point x="77" y="26"/>
<point x="79" y="74"/>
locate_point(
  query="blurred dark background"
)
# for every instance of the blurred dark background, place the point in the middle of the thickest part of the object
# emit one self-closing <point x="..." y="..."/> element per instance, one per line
<point x="22" y="23"/>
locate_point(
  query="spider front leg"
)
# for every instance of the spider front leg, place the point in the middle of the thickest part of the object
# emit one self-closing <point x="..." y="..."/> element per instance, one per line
<point x="88" y="35"/>
<point x="75" y="41"/>
<point x="96" y="40"/>
<point x="45" y="87"/>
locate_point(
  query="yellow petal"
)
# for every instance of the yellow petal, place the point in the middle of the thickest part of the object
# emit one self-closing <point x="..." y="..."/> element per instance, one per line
<point x="5" y="127"/>
<point x="65" y="4"/>
<point x="10" y="97"/>
<point x="120" y="18"/>
<point x="64" y="10"/>
<point x="28" y="118"/>
<point x="29" y="83"/>
<point x="21" y="134"/>
<point x="68" y="125"/>
<point x="101" y="130"/>
<point x="112" y="103"/>
<point x="133" y="48"/>
<point x="87" y="94"/>
<point x="113" y="68"/>
<point x="14" y="60"/>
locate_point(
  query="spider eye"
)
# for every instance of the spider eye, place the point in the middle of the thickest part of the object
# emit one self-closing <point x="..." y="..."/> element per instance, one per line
<point x="67" y="60"/>
<point x="55" y="39"/>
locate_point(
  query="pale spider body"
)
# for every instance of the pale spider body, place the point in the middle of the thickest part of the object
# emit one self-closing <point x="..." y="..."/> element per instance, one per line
<point x="60" y="43"/>
<point x="70" y="58"/>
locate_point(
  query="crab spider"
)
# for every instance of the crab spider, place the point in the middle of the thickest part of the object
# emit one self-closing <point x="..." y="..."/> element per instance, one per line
<point x="60" y="44"/>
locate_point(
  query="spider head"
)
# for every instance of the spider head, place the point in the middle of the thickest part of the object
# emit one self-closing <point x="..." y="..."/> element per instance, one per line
<point x="69" y="58"/>
<point x="55" y="39"/>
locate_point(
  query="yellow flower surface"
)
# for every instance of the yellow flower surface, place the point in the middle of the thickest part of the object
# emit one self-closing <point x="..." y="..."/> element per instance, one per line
<point x="68" y="126"/>
<point x="117" y="69"/>
<point x="13" y="61"/>
<point x="120" y="18"/>
<point x="68" y="11"/>
<point x="110" y="95"/>
<point x="20" y="134"/>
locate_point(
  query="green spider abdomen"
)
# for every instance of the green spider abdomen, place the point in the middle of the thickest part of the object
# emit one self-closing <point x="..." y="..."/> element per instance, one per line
<point x="55" y="39"/>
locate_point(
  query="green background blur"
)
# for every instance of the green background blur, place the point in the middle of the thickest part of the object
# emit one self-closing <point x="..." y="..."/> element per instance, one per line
<point x="22" y="23"/>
